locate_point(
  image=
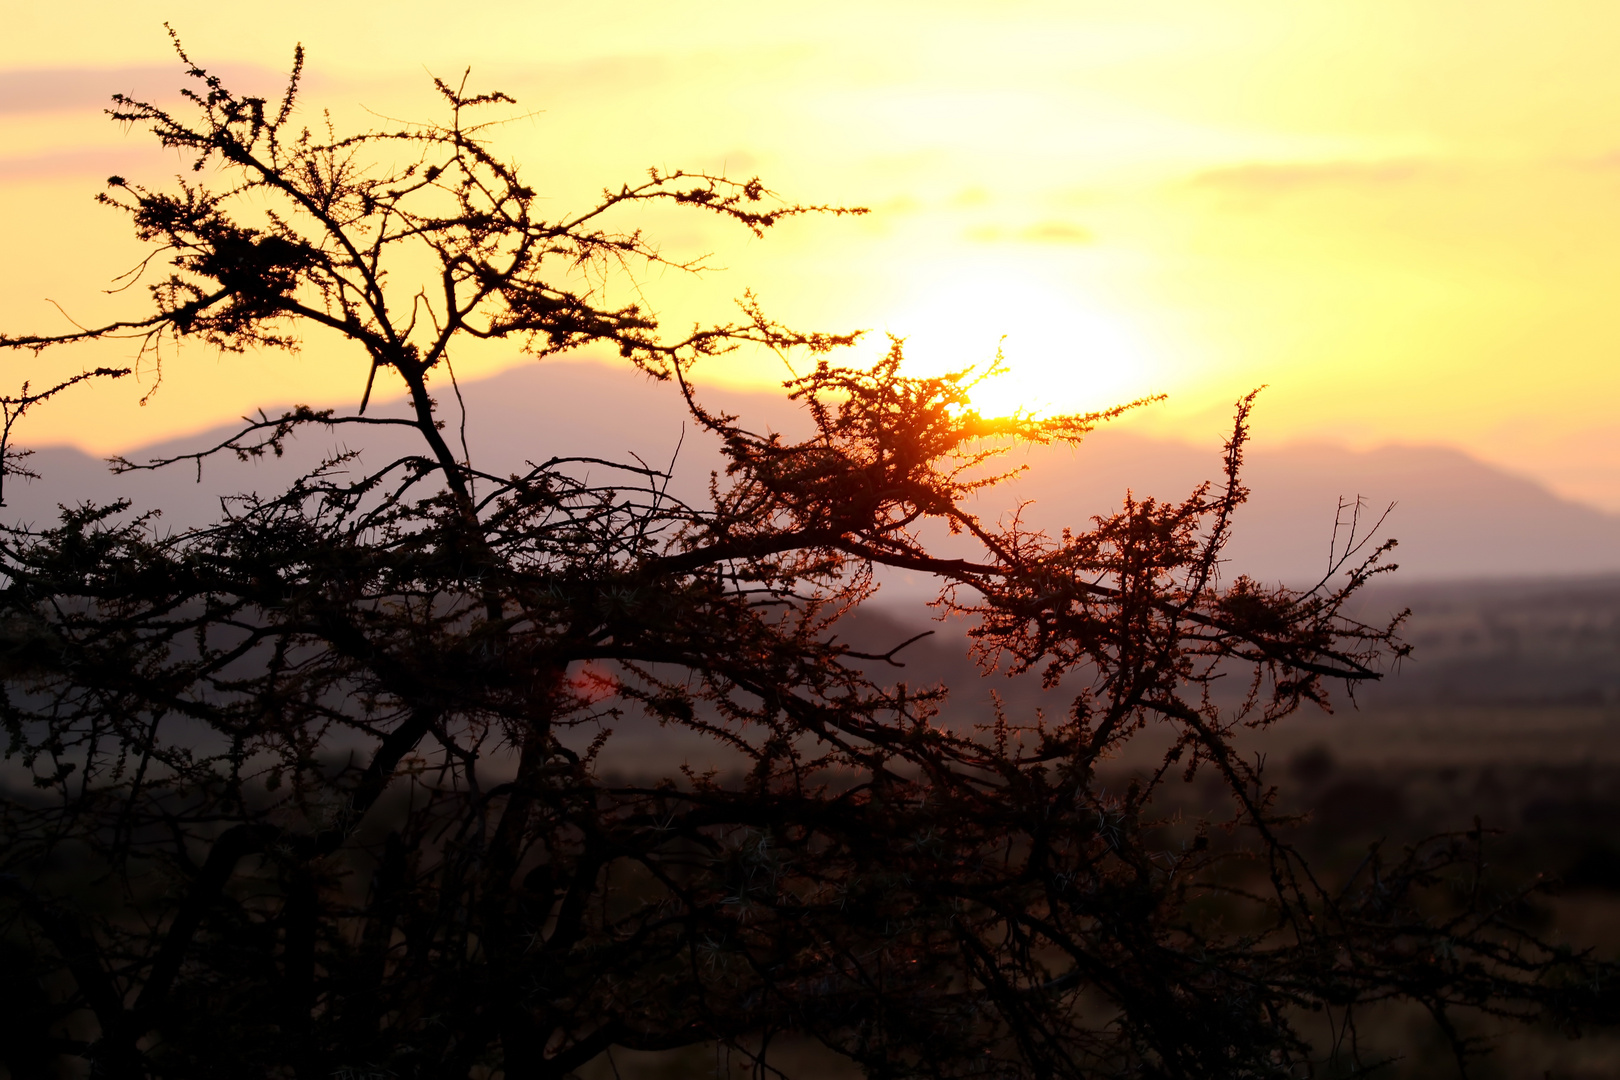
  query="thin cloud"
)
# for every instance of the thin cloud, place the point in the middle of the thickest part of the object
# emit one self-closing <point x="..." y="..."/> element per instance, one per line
<point x="47" y="90"/>
<point x="95" y="162"/>
<point x="1056" y="232"/>
<point x="1609" y="162"/>
<point x="1042" y="232"/>
<point x="1285" y="178"/>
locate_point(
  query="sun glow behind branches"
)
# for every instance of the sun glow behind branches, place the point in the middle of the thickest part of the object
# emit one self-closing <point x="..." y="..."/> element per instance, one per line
<point x="1221" y="195"/>
<point x="1060" y="353"/>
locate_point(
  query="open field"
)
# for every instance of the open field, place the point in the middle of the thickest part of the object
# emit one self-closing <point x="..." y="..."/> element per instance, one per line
<point x="1544" y="780"/>
<point x="1508" y="711"/>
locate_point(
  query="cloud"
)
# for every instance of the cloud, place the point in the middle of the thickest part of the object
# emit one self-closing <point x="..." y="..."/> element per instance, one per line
<point x="1055" y="232"/>
<point x="1042" y="232"/>
<point x="44" y="90"/>
<point x="1608" y="162"/>
<point x="99" y="162"/>
<point x="1286" y="178"/>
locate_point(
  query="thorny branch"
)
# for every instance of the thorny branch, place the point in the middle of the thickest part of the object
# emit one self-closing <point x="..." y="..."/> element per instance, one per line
<point x="336" y="769"/>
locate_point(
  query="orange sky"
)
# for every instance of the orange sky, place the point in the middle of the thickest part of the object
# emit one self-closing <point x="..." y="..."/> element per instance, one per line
<point x="1403" y="216"/>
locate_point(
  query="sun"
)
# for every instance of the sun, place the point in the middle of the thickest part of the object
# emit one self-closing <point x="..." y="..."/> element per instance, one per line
<point x="1061" y="352"/>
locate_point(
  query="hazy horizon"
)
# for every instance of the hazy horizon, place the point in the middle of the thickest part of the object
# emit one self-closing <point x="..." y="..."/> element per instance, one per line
<point x="1456" y="517"/>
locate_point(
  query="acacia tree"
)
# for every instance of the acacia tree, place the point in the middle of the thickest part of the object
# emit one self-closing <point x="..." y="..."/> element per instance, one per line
<point x="315" y="787"/>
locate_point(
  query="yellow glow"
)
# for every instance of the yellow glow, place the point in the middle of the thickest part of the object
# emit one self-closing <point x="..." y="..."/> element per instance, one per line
<point x="1061" y="354"/>
<point x="1402" y="215"/>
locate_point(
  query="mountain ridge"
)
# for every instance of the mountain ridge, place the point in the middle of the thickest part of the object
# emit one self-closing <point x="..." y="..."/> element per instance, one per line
<point x="1456" y="517"/>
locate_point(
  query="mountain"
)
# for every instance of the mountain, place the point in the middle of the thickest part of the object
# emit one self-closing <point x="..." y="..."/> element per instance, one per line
<point x="1515" y="593"/>
<point x="1456" y="518"/>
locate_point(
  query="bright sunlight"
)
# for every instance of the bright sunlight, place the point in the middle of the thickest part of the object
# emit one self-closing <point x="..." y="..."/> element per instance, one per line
<point x="1061" y="353"/>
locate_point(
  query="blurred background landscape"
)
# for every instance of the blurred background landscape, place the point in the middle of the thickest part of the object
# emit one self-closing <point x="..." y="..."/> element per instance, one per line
<point x="1507" y="711"/>
<point x="1514" y="591"/>
<point x="1401" y="215"/>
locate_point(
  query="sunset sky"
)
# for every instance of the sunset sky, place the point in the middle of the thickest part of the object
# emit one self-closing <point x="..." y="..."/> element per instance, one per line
<point x="1401" y="215"/>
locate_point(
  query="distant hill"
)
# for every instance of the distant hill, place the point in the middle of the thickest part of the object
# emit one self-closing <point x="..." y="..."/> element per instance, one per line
<point x="1456" y="518"/>
<point x="1515" y="592"/>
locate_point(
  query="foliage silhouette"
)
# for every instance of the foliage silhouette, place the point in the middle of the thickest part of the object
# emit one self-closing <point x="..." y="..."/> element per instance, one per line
<point x="316" y="789"/>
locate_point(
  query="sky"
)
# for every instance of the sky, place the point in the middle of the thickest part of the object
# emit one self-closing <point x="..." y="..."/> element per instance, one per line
<point x="1400" y="216"/>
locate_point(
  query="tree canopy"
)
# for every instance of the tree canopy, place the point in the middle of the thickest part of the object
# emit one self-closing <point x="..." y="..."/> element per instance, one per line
<point x="316" y="789"/>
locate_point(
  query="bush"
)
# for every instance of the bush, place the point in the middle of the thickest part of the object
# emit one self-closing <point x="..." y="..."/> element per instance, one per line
<point x="315" y="788"/>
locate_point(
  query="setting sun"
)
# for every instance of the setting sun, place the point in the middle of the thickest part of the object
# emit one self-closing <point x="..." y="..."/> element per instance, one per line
<point x="1059" y="353"/>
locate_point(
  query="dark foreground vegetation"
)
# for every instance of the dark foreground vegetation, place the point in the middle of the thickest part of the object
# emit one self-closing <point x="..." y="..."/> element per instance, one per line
<point x="1552" y="818"/>
<point x="332" y="786"/>
<point x="1506" y="717"/>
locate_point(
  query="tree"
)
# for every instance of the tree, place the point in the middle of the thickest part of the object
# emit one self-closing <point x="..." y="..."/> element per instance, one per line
<point x="314" y="788"/>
